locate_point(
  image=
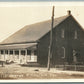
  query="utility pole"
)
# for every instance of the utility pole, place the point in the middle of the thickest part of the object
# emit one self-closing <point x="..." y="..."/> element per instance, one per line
<point x="50" y="46"/>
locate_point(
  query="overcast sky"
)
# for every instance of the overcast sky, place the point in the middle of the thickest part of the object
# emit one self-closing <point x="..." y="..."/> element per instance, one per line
<point x="15" y="15"/>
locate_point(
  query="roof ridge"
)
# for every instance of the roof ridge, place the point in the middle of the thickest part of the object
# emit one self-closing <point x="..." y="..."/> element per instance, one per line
<point x="46" y="20"/>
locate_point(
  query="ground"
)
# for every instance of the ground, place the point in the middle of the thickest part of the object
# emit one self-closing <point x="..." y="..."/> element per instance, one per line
<point x="15" y="71"/>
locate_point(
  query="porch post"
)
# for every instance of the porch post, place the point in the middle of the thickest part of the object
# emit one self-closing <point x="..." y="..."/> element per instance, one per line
<point x="8" y="54"/>
<point x="26" y="54"/>
<point x="4" y="54"/>
<point x="19" y="54"/>
<point x="13" y="55"/>
<point x="0" y="54"/>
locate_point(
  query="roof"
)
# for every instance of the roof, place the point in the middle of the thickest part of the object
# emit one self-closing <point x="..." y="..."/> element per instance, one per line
<point x="18" y="46"/>
<point x="33" y="32"/>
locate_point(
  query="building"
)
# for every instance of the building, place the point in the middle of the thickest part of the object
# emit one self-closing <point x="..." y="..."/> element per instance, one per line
<point x="31" y="43"/>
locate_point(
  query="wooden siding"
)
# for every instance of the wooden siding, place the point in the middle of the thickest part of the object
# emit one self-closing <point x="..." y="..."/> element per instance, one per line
<point x="68" y="42"/>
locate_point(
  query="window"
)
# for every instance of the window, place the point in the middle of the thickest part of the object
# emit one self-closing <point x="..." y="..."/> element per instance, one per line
<point x="17" y="52"/>
<point x="75" y="36"/>
<point x="22" y="52"/>
<point x="2" y="52"/>
<point x="74" y="56"/>
<point x="11" y="52"/>
<point x="63" y="52"/>
<point x="6" y="51"/>
<point x="28" y="52"/>
<point x="35" y="52"/>
<point x="62" y="33"/>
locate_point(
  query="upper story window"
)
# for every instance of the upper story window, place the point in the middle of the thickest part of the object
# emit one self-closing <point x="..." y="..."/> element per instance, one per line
<point x="62" y="33"/>
<point x="75" y="36"/>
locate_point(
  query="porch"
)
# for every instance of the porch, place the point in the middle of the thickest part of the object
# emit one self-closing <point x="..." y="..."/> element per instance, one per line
<point x="20" y="53"/>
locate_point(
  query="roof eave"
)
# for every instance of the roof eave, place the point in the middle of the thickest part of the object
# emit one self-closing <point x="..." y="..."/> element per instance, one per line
<point x="19" y="43"/>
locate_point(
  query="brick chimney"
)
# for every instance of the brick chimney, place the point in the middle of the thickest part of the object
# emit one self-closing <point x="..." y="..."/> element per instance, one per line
<point x="69" y="12"/>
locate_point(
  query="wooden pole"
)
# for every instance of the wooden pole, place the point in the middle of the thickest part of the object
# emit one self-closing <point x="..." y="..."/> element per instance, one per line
<point x="50" y="46"/>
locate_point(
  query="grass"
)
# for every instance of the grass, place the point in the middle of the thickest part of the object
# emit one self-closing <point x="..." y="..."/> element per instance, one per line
<point x="15" y="71"/>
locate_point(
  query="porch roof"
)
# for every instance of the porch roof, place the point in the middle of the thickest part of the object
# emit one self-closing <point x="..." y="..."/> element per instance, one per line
<point x="18" y="46"/>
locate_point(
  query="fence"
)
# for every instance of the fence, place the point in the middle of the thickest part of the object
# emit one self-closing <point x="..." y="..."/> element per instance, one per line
<point x="70" y="67"/>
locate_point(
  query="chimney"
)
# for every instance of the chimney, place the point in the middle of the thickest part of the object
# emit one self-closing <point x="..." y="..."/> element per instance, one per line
<point x="69" y="12"/>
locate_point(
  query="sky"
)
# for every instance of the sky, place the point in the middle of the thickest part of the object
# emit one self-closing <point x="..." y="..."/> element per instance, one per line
<point x="16" y="15"/>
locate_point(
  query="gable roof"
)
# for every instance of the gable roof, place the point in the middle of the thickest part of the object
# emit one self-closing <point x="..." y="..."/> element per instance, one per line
<point x="33" y="32"/>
